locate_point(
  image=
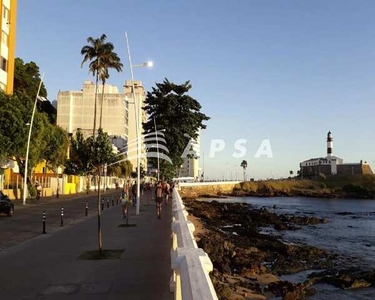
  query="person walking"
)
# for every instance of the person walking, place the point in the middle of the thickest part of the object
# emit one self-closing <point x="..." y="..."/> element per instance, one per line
<point x="159" y="199"/>
<point x="124" y="198"/>
<point x="134" y="193"/>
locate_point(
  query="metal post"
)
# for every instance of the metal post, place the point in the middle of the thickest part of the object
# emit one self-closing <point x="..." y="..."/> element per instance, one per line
<point x="137" y="120"/>
<point x="62" y="217"/>
<point x="157" y="145"/>
<point x="102" y="204"/>
<point x="44" y="222"/>
<point x="28" y="143"/>
<point x="107" y="202"/>
<point x="113" y="201"/>
<point x="87" y="208"/>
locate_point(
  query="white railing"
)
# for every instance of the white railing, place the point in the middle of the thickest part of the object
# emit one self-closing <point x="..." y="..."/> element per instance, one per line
<point x="191" y="265"/>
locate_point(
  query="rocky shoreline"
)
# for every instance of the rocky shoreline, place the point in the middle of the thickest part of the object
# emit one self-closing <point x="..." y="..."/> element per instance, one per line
<point x="247" y="262"/>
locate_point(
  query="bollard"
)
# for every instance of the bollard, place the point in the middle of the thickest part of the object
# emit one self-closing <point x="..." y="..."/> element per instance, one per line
<point x="62" y="217"/>
<point x="107" y="203"/>
<point x="44" y="222"/>
<point x="87" y="208"/>
<point x="102" y="204"/>
<point x="113" y="202"/>
<point x="117" y="200"/>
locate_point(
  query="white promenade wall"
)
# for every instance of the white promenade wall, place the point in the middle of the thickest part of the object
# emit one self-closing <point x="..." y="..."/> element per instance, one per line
<point x="191" y="265"/>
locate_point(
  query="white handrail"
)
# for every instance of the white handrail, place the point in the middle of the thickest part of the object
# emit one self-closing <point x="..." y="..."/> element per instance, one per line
<point x="191" y="265"/>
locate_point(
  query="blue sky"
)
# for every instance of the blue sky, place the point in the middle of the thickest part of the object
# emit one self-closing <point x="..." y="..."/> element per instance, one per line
<point x="287" y="71"/>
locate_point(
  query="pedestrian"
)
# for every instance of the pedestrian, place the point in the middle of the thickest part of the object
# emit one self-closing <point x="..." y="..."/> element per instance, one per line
<point x="166" y="192"/>
<point x="124" y="198"/>
<point x="159" y="199"/>
<point x="39" y="189"/>
<point x="134" y="193"/>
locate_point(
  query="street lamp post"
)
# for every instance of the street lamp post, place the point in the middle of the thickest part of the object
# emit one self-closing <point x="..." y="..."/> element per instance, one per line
<point x="157" y="146"/>
<point x="137" y="106"/>
<point x="28" y="143"/>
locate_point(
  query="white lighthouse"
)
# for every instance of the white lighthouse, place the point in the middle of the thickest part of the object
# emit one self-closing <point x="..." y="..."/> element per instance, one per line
<point x="329" y="144"/>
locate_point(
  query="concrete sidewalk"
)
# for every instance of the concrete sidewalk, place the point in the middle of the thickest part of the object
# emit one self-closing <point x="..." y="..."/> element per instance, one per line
<point x="47" y="267"/>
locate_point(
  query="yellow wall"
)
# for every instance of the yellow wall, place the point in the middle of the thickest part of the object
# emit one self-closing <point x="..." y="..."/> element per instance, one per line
<point x="11" y="29"/>
<point x="12" y="45"/>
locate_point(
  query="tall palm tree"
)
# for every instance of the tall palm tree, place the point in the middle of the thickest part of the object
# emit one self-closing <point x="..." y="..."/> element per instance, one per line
<point x="110" y="60"/>
<point x="244" y="166"/>
<point x="101" y="56"/>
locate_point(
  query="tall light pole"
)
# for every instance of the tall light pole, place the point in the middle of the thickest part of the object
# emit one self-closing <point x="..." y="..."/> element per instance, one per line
<point x="157" y="146"/>
<point x="137" y="106"/>
<point x="28" y="143"/>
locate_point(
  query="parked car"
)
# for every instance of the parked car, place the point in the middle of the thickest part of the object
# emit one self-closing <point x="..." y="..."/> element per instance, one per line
<point x="6" y="206"/>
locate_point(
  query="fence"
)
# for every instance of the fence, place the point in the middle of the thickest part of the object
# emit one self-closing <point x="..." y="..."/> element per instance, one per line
<point x="190" y="264"/>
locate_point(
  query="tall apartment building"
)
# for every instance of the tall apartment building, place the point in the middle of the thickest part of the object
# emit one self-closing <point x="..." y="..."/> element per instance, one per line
<point x="140" y="96"/>
<point x="75" y="110"/>
<point x="7" y="44"/>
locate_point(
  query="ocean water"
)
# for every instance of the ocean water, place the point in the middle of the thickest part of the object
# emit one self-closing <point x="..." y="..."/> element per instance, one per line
<point x="350" y="232"/>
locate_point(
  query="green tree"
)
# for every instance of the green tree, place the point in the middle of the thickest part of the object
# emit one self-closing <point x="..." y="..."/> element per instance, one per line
<point x="14" y="119"/>
<point x="244" y="166"/>
<point x="27" y="79"/>
<point x="122" y="169"/>
<point x="56" y="150"/>
<point x="26" y="82"/>
<point x="167" y="103"/>
<point x="101" y="56"/>
<point x="89" y="156"/>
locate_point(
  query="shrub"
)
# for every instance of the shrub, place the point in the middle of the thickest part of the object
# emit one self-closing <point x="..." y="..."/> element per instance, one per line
<point x="32" y="190"/>
<point x="322" y="186"/>
<point x="312" y="187"/>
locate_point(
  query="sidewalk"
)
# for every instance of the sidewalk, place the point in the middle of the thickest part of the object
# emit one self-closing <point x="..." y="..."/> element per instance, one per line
<point x="47" y="267"/>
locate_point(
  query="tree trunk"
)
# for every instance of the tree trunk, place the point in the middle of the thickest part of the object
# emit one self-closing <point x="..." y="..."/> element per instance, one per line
<point x="96" y="94"/>
<point x="100" y="244"/>
<point x="101" y="108"/>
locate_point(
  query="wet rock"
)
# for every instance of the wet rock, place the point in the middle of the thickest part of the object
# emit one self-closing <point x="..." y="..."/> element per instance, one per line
<point x="281" y="226"/>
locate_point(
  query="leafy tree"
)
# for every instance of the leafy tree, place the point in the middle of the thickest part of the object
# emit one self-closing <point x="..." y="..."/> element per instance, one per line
<point x="27" y="79"/>
<point x="244" y="166"/>
<point x="56" y="150"/>
<point x="121" y="170"/>
<point x="167" y="103"/>
<point x="101" y="56"/>
<point x="88" y="156"/>
<point x="26" y="82"/>
<point x="14" y="117"/>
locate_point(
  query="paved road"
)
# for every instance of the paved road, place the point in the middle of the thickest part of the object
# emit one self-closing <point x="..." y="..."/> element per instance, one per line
<point x="47" y="266"/>
<point x="27" y="220"/>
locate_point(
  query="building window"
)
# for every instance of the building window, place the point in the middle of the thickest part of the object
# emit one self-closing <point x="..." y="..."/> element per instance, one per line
<point x="4" y="38"/>
<point x="3" y="63"/>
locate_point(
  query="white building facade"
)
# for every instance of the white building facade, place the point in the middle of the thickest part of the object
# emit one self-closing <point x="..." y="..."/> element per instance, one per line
<point x="75" y="110"/>
<point x="190" y="165"/>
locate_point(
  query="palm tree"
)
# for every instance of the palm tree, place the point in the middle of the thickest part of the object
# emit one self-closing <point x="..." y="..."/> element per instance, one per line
<point x="101" y="56"/>
<point x="244" y="166"/>
<point x="110" y="60"/>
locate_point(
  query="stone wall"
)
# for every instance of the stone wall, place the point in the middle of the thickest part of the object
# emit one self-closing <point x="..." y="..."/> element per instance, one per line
<point x="195" y="190"/>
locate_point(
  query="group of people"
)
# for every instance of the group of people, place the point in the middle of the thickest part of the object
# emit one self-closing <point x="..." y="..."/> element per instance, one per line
<point x="163" y="190"/>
